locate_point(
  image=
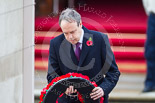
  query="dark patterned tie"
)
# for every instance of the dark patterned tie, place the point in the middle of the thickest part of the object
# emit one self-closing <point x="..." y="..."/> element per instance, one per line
<point x="77" y="51"/>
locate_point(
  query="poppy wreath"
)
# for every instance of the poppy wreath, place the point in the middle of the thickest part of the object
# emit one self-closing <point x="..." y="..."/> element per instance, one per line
<point x="71" y="77"/>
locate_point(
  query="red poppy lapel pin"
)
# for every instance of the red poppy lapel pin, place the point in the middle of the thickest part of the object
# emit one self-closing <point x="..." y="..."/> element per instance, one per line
<point x="89" y="42"/>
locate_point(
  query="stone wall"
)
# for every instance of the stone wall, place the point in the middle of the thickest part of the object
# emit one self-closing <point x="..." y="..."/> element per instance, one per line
<point x="16" y="50"/>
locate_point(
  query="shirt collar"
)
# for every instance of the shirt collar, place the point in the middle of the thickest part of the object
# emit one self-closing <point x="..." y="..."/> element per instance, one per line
<point x="81" y="38"/>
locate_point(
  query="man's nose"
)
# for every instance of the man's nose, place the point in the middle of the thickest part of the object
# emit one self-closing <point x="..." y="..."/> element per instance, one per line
<point x="70" y="36"/>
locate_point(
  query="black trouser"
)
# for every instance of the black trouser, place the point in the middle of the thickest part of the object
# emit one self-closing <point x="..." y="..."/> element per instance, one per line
<point x="150" y="52"/>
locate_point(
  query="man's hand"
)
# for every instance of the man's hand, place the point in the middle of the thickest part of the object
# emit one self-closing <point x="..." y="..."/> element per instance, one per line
<point x="70" y="90"/>
<point x="97" y="93"/>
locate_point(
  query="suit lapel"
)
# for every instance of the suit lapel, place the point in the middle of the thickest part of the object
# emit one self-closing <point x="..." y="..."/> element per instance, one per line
<point x="85" y="48"/>
<point x="68" y="52"/>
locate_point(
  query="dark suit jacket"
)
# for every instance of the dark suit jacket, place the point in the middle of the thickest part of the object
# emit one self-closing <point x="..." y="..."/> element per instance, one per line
<point x="96" y="61"/>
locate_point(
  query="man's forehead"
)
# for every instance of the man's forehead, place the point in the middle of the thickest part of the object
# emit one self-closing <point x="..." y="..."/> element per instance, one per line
<point x="68" y="27"/>
<point x="69" y="31"/>
<point x="65" y="22"/>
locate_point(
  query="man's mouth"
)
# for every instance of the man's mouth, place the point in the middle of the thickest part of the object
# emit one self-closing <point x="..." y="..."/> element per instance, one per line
<point x="72" y="40"/>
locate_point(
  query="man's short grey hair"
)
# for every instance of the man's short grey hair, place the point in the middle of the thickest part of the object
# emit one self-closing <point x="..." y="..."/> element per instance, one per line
<point x="70" y="15"/>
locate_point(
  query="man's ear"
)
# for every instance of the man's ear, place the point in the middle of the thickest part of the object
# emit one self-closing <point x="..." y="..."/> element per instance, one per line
<point x="80" y="24"/>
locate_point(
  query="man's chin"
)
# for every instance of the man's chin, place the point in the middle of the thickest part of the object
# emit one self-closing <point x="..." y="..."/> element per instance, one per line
<point x="72" y="42"/>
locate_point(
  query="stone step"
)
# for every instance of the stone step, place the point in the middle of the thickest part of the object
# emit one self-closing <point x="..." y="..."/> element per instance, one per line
<point x="126" y="66"/>
<point x="123" y="39"/>
<point x="128" y="89"/>
<point x="120" y="97"/>
<point x="127" y="53"/>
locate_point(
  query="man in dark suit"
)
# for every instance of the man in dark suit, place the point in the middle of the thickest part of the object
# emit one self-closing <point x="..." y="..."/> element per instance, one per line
<point x="150" y="46"/>
<point x="82" y="51"/>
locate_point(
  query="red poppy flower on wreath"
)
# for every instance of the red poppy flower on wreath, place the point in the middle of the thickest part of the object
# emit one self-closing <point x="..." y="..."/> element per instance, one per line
<point x="89" y="42"/>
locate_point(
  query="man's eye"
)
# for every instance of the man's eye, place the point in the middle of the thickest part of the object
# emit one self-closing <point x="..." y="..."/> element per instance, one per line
<point x="72" y="32"/>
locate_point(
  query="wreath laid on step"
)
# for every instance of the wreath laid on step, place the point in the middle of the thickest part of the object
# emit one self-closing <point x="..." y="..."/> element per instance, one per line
<point x="70" y="76"/>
